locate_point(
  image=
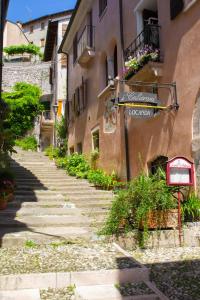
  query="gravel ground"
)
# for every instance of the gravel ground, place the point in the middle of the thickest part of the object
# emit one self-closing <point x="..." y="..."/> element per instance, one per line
<point x="176" y="272"/>
<point x="61" y="258"/>
<point x="59" y="294"/>
<point x="133" y="289"/>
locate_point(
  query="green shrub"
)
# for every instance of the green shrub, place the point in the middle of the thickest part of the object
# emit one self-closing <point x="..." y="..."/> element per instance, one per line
<point x="101" y="179"/>
<point x="191" y="208"/>
<point x="21" y="49"/>
<point x="94" y="156"/>
<point x="62" y="162"/>
<point x="131" y="207"/>
<point x="27" y="143"/>
<point x="77" y="166"/>
<point x="24" y="106"/>
<point x="52" y="152"/>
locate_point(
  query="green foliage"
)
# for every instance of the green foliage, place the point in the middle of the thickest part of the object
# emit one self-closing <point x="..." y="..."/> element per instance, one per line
<point x="61" y="129"/>
<point x="191" y="208"/>
<point x="24" y="106"/>
<point x="77" y="166"/>
<point x="21" y="49"/>
<point x="131" y="207"/>
<point x="61" y="162"/>
<point x="6" y="174"/>
<point x="101" y="179"/>
<point x="27" y="143"/>
<point x="30" y="244"/>
<point x="53" y="152"/>
<point x="94" y="156"/>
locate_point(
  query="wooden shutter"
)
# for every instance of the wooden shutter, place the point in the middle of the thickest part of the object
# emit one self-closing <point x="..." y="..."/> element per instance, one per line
<point x="85" y="94"/>
<point x="64" y="28"/>
<point x="63" y="60"/>
<point x="176" y="7"/>
<point x="51" y="75"/>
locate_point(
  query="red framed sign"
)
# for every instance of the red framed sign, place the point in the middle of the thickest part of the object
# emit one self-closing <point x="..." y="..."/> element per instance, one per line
<point x="180" y="171"/>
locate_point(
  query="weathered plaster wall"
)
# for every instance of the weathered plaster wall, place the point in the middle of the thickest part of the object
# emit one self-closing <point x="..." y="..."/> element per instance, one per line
<point x="33" y="73"/>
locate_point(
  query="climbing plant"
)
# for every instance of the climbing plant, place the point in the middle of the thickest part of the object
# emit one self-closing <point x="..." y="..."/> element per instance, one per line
<point x="22" y="49"/>
<point x="24" y="106"/>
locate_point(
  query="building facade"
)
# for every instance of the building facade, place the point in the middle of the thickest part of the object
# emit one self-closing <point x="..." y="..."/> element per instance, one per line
<point x="101" y="38"/>
<point x="36" y="30"/>
<point x="14" y="35"/>
<point x="57" y="79"/>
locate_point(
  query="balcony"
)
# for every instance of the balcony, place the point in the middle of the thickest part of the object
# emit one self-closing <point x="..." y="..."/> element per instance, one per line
<point x="46" y="120"/>
<point x="143" y="56"/>
<point x="85" y="46"/>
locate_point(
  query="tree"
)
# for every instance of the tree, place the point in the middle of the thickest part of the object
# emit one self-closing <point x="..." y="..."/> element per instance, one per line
<point x="24" y="106"/>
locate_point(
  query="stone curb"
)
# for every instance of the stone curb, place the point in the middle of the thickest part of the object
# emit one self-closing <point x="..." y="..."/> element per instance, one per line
<point x="61" y="280"/>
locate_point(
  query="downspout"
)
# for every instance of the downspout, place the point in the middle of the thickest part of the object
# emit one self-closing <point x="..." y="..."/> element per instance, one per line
<point x="126" y="140"/>
<point x="67" y="94"/>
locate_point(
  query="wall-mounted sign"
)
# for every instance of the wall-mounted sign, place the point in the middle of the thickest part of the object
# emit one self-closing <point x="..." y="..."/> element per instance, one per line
<point x="137" y="102"/>
<point x="138" y="97"/>
<point x="139" y="113"/>
<point x="180" y="171"/>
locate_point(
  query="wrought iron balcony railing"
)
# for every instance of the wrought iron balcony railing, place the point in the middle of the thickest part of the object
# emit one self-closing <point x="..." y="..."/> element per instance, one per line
<point x="86" y="40"/>
<point x="148" y="37"/>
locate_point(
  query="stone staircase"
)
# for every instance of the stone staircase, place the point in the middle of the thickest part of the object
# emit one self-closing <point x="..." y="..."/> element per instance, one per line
<point x="49" y="204"/>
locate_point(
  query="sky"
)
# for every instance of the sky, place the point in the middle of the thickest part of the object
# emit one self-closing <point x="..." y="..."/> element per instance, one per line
<point x="25" y="10"/>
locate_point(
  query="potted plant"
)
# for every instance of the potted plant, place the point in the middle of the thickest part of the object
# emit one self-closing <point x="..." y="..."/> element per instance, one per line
<point x="3" y="200"/>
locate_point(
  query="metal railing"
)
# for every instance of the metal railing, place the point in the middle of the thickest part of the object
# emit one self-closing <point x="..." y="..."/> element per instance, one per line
<point x="86" y="39"/>
<point x="148" y="37"/>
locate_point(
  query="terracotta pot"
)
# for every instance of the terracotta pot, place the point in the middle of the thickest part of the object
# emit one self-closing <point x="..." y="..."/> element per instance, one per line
<point x="162" y="219"/>
<point x="3" y="204"/>
<point x="10" y="197"/>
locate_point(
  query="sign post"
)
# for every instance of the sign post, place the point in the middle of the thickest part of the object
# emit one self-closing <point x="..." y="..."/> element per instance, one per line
<point x="180" y="172"/>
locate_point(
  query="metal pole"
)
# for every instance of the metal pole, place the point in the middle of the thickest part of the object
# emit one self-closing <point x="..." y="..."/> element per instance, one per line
<point x="179" y="217"/>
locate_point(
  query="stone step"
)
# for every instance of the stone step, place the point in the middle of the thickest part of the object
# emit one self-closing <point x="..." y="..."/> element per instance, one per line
<point x="92" y="204"/>
<point x="107" y="292"/>
<point x="39" y="211"/>
<point x="39" y="221"/>
<point x="32" y="294"/>
<point x="17" y="236"/>
<point x="50" y="184"/>
<point x="70" y="188"/>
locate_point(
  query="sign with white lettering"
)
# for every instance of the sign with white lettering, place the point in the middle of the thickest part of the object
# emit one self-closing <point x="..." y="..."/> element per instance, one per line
<point x="138" y="97"/>
<point x="180" y="171"/>
<point x="143" y="113"/>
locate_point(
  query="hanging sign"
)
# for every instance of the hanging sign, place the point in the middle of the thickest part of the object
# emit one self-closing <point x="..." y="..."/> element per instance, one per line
<point x="138" y="97"/>
<point x="138" y="102"/>
<point x="180" y="171"/>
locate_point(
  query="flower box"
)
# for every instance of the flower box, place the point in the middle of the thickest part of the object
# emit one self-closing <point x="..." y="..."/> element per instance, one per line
<point x="162" y="219"/>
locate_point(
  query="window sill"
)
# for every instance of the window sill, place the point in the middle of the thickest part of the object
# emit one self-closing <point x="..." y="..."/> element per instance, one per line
<point x="108" y="89"/>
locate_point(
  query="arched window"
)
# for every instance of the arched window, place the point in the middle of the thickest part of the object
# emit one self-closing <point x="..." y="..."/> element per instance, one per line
<point x="159" y="162"/>
<point x="115" y="62"/>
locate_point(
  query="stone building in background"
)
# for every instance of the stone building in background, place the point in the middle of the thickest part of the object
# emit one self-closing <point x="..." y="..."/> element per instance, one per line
<point x="101" y="37"/>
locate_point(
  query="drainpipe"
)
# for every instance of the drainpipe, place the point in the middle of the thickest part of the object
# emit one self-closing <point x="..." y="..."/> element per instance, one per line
<point x="67" y="93"/>
<point x="126" y="138"/>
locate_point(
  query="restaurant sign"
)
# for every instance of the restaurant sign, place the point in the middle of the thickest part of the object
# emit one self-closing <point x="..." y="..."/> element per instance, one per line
<point x="140" y="104"/>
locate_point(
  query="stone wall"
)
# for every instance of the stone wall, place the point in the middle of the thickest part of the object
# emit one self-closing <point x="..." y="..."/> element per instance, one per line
<point x="33" y="73"/>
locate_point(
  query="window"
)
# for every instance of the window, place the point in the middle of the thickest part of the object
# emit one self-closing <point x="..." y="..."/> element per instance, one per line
<point x="71" y="150"/>
<point x="31" y="29"/>
<point x="102" y="6"/>
<point x="75" y="48"/>
<point x="42" y="42"/>
<point x="79" y="148"/>
<point x="115" y="62"/>
<point x="95" y="139"/>
<point x="176" y="7"/>
<point x="159" y="162"/>
<point x="42" y="25"/>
